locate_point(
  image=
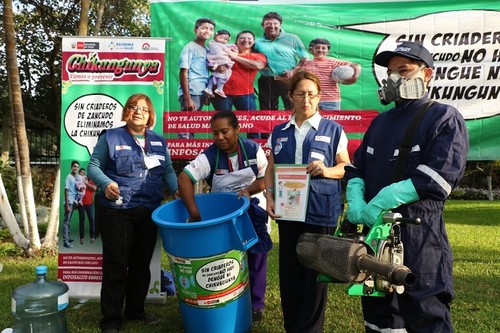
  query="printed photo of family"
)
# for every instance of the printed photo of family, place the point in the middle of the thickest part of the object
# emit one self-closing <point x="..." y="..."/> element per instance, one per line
<point x="213" y="71"/>
<point x="79" y="192"/>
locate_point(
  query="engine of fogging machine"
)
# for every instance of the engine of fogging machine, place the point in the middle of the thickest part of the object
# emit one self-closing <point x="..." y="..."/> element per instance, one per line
<point x="347" y="260"/>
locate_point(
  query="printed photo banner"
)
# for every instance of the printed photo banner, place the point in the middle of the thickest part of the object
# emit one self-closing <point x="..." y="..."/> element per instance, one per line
<point x="98" y="76"/>
<point x="354" y="123"/>
<point x="463" y="36"/>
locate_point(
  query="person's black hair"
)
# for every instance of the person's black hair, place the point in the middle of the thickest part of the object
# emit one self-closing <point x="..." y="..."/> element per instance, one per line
<point x="272" y="16"/>
<point x="202" y="20"/>
<point x="75" y="162"/>
<point x="227" y="114"/>
<point x="323" y="41"/>
<point x="223" y="32"/>
<point x="245" y="32"/>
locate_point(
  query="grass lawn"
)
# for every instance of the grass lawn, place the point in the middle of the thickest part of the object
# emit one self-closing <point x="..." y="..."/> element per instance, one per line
<point x="473" y="229"/>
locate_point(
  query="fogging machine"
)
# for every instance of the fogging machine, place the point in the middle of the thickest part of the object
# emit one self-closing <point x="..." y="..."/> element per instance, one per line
<point x="371" y="262"/>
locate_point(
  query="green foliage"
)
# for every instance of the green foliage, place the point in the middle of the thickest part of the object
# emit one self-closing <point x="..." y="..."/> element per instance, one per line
<point x="122" y="18"/>
<point x="10" y="182"/>
<point x="9" y="249"/>
<point x="7" y="246"/>
<point x="5" y="235"/>
<point x="476" y="172"/>
<point x="467" y="193"/>
<point x="42" y="229"/>
<point x="43" y="184"/>
<point x="473" y="232"/>
<point x="39" y="26"/>
<point x="43" y="179"/>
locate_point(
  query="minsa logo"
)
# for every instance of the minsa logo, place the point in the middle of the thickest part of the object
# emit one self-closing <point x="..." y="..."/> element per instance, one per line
<point x="148" y="47"/>
<point x="87" y="45"/>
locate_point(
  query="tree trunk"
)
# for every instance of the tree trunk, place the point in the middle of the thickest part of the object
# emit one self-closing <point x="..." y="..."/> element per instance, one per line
<point x="10" y="220"/>
<point x="489" y="184"/>
<point x="100" y="13"/>
<point x="19" y="183"/>
<point x="19" y="124"/>
<point x="5" y="138"/>
<point x="84" y="18"/>
<point x="50" y="240"/>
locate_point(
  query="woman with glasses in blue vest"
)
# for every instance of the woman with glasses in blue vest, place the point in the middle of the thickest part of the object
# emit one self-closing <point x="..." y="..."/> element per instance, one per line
<point x="130" y="165"/>
<point x="321" y="144"/>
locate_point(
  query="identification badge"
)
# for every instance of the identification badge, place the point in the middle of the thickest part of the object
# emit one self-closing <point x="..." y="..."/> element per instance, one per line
<point x="278" y="147"/>
<point x="151" y="161"/>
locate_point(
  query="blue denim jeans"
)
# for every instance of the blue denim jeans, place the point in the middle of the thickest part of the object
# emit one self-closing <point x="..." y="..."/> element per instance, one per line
<point x="240" y="102"/>
<point x="66" y="223"/>
<point x="198" y="103"/>
<point x="334" y="105"/>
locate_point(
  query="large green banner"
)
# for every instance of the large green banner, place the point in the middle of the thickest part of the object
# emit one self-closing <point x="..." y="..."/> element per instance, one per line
<point x="463" y="36"/>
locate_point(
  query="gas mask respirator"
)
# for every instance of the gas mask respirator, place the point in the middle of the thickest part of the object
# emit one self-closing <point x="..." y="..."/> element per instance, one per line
<point x="398" y="87"/>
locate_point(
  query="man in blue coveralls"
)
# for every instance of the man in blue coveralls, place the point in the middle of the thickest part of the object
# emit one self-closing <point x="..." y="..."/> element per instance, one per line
<point x="434" y="166"/>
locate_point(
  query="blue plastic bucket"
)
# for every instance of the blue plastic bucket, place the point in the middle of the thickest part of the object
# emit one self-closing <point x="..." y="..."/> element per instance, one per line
<point x="209" y="261"/>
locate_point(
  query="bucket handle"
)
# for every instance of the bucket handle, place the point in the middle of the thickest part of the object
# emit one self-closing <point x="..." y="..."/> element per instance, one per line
<point x="245" y="234"/>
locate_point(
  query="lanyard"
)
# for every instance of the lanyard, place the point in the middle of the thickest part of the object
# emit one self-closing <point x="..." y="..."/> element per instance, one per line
<point x="240" y="161"/>
<point x="240" y="158"/>
<point x="145" y="148"/>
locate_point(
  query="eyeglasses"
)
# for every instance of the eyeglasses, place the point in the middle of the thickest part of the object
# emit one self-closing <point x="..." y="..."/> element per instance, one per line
<point x="302" y="95"/>
<point x="136" y="108"/>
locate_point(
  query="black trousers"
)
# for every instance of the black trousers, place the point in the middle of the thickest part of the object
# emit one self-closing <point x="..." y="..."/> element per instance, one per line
<point x="128" y="240"/>
<point x="415" y="311"/>
<point x="271" y="90"/>
<point x="89" y="210"/>
<point x="303" y="299"/>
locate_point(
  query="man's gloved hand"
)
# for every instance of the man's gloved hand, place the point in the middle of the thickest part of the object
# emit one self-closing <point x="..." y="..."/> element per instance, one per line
<point x="389" y="197"/>
<point x="355" y="194"/>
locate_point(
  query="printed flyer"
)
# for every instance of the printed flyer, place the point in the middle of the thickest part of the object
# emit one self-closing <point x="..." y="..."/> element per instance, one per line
<point x="291" y="191"/>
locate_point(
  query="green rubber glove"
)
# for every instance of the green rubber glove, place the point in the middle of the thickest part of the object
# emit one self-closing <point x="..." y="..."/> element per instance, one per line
<point x="391" y="196"/>
<point x="355" y="194"/>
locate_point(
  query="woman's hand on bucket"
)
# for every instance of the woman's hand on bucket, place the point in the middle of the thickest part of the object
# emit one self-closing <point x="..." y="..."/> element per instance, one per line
<point x="193" y="219"/>
<point x="244" y="192"/>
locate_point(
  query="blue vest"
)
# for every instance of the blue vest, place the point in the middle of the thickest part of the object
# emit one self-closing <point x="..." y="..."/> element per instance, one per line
<point x="219" y="161"/>
<point x="139" y="186"/>
<point x="325" y="195"/>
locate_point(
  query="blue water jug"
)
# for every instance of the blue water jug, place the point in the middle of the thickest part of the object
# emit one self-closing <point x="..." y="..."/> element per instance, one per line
<point x="40" y="306"/>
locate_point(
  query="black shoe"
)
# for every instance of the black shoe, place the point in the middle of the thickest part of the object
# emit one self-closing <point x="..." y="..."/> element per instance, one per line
<point x="146" y="317"/>
<point x="71" y="240"/>
<point x="257" y="315"/>
<point x="109" y="330"/>
<point x="68" y="245"/>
